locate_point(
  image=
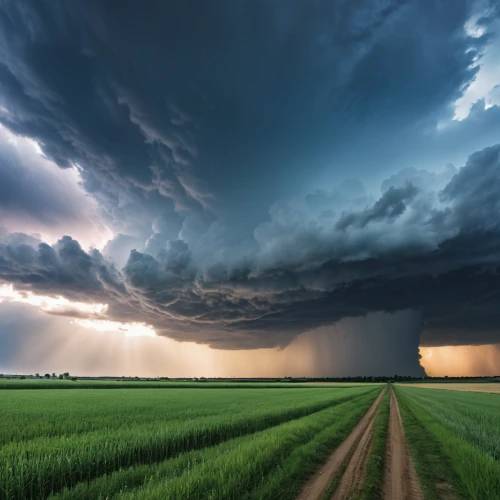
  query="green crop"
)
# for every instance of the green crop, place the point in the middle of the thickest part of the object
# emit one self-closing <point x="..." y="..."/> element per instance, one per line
<point x="15" y="384"/>
<point x="455" y="439"/>
<point x="269" y="464"/>
<point x="62" y="439"/>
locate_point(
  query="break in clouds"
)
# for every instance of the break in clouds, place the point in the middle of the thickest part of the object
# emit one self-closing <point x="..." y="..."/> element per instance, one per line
<point x="258" y="170"/>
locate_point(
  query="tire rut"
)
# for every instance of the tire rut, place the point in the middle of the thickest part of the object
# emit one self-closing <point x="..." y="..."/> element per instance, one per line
<point x="353" y="449"/>
<point x="355" y="473"/>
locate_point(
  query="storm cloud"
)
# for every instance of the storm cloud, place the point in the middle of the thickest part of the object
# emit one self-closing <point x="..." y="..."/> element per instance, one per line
<point x="265" y="168"/>
<point x="430" y="254"/>
<point x="156" y="103"/>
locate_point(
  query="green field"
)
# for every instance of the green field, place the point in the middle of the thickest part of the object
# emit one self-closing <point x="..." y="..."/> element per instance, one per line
<point x="112" y="440"/>
<point x="454" y="438"/>
<point x="217" y="441"/>
<point x="43" y="383"/>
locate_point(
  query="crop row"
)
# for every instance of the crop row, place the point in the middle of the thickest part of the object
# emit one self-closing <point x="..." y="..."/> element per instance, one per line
<point x="268" y="464"/>
<point x="454" y="437"/>
<point x="472" y="416"/>
<point x="35" y="468"/>
<point x="15" y="384"/>
<point x="33" y="414"/>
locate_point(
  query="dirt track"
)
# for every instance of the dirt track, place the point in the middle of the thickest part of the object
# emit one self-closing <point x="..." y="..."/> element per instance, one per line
<point x="400" y="479"/>
<point x="355" y="473"/>
<point x="356" y="449"/>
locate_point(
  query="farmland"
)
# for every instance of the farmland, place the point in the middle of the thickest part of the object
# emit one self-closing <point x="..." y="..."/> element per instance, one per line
<point x="455" y="440"/>
<point x="42" y="383"/>
<point x="53" y="440"/>
<point x="491" y="388"/>
<point x="278" y="441"/>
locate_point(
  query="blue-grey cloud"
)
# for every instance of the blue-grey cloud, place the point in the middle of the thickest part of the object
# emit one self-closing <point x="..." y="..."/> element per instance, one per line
<point x="172" y="101"/>
<point x="440" y="256"/>
<point x="61" y="269"/>
<point x="203" y="131"/>
<point x="35" y="196"/>
<point x="389" y="207"/>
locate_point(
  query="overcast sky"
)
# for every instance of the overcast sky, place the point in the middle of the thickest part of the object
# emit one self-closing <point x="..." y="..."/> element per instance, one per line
<point x="251" y="176"/>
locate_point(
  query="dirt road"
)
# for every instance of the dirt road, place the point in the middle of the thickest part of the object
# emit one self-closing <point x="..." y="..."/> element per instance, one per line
<point x="351" y="457"/>
<point x="354" y="449"/>
<point x="355" y="472"/>
<point x="400" y="479"/>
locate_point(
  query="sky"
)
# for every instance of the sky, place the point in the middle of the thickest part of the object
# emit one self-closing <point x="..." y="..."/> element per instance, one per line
<point x="250" y="188"/>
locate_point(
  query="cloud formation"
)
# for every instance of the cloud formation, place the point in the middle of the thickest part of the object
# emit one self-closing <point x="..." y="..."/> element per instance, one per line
<point x="37" y="197"/>
<point x="413" y="248"/>
<point x="173" y="102"/>
<point x="203" y="142"/>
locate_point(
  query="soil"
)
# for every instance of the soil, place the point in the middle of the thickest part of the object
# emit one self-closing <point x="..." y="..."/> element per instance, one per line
<point x="355" y="473"/>
<point x="354" y="450"/>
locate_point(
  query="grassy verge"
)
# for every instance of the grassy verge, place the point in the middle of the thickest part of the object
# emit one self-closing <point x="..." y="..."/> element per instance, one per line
<point x="335" y="481"/>
<point x="444" y="458"/>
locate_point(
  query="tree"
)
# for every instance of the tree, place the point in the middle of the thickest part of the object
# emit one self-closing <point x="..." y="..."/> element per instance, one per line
<point x="37" y="375"/>
<point x="47" y="375"/>
<point x="61" y="376"/>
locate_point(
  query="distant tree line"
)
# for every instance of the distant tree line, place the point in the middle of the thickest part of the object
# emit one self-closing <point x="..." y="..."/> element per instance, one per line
<point x="53" y="376"/>
<point x="358" y="379"/>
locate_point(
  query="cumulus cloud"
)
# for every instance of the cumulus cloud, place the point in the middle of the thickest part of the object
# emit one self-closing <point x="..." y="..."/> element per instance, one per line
<point x="60" y="269"/>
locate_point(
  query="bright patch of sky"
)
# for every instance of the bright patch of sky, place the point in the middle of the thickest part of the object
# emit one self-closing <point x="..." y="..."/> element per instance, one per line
<point x="129" y="329"/>
<point x="52" y="305"/>
<point x="486" y="84"/>
<point x="62" y="306"/>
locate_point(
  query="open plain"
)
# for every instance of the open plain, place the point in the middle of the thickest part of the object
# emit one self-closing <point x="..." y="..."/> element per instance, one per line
<point x="305" y="442"/>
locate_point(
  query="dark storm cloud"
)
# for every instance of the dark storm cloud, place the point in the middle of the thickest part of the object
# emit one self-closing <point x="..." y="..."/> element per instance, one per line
<point x="172" y="100"/>
<point x="391" y="205"/>
<point x="189" y="119"/>
<point x="474" y="191"/>
<point x="433" y="256"/>
<point x="61" y="269"/>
